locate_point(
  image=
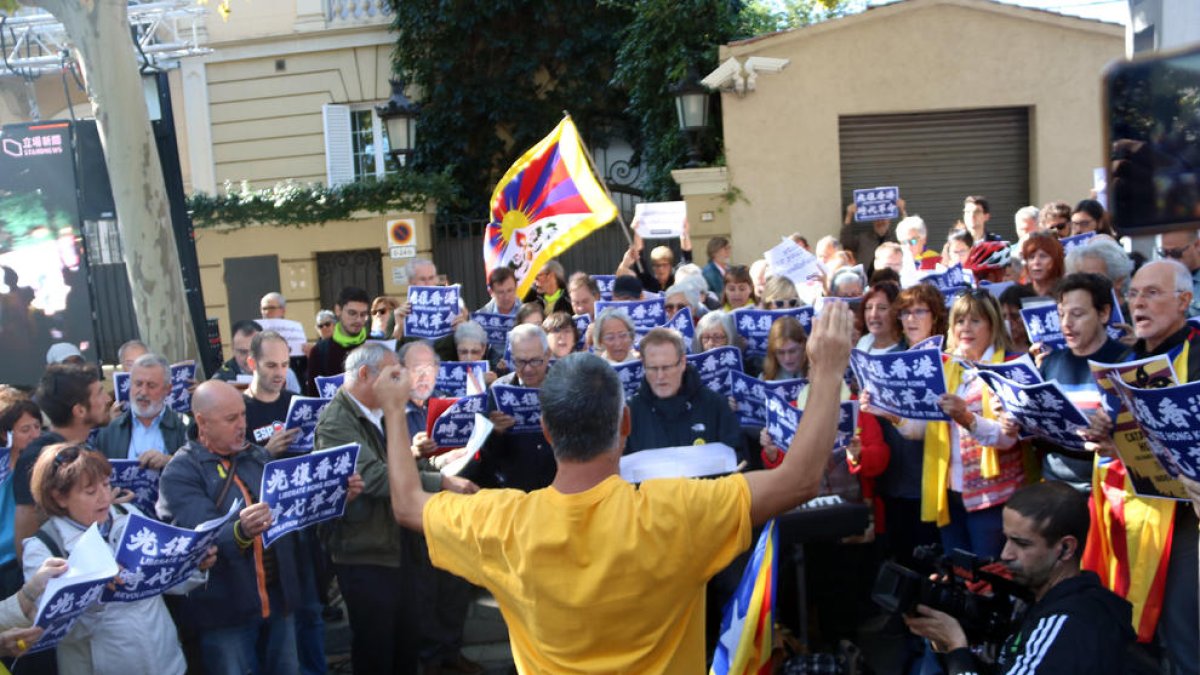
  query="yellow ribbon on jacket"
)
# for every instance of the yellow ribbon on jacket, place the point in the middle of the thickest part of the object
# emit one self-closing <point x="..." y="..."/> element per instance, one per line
<point x="935" y="469"/>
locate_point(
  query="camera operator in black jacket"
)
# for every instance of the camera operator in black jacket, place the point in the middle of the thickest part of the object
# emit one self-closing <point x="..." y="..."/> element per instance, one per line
<point x="1075" y="625"/>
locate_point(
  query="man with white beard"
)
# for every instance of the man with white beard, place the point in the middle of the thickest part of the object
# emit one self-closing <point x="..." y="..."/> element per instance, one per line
<point x="149" y="431"/>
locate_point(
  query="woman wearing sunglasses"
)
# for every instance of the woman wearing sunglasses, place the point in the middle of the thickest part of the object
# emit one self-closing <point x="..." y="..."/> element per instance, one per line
<point x="780" y="293"/>
<point x="71" y="485"/>
<point x="381" y="316"/>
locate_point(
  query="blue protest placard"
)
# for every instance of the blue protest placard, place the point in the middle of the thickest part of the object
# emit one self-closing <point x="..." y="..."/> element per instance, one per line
<point x="715" y="365"/>
<point x="121" y="383"/>
<point x="90" y="568"/>
<point x="1170" y="419"/>
<point x="952" y="278"/>
<point x="1020" y="370"/>
<point x="1076" y="241"/>
<point x="183" y="376"/>
<point x="645" y="314"/>
<point x="754" y="325"/>
<point x="782" y="418"/>
<point x="453" y="426"/>
<point x="459" y="378"/>
<point x="605" y="283"/>
<point x="155" y="557"/>
<point x="303" y="413"/>
<point x="1040" y="317"/>
<point x="582" y="321"/>
<point x="876" y="203"/>
<point x="433" y="308"/>
<point x="521" y="404"/>
<point x="142" y="482"/>
<point x="1042" y="409"/>
<point x="306" y="489"/>
<point x="1115" y="318"/>
<point x="631" y="374"/>
<point x="750" y="393"/>
<point x="907" y="383"/>
<point x="681" y="322"/>
<point x="932" y="342"/>
<point x="496" y="326"/>
<point x="327" y="386"/>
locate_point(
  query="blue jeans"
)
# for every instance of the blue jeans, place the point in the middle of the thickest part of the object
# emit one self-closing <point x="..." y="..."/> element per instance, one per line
<point x="980" y="532"/>
<point x="263" y="647"/>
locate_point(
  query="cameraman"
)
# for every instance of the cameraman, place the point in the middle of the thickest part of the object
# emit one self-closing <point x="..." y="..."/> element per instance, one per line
<point x="1075" y="625"/>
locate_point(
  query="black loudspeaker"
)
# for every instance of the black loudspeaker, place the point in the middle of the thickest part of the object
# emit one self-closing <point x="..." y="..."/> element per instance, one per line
<point x="95" y="192"/>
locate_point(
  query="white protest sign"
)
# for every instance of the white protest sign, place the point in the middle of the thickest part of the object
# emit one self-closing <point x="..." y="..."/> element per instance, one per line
<point x="89" y="568"/>
<point x="291" y="331"/>
<point x="659" y="220"/>
<point x="687" y="461"/>
<point x="789" y="259"/>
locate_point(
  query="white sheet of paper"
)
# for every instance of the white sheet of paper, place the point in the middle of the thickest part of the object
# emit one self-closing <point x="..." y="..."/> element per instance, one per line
<point x="792" y="261"/>
<point x="479" y="434"/>
<point x="685" y="461"/>
<point x="660" y="220"/>
<point x="90" y="560"/>
<point x="292" y="332"/>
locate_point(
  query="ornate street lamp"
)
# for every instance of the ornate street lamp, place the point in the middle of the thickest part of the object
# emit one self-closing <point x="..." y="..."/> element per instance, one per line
<point x="691" y="108"/>
<point x="399" y="115"/>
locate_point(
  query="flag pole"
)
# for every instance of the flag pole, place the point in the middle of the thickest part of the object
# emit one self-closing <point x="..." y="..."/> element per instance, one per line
<point x="587" y="152"/>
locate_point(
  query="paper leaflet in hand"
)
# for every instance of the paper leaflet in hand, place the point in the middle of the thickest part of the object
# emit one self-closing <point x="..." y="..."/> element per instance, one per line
<point x="89" y="568"/>
<point x="1145" y="473"/>
<point x="155" y="557"/>
<point x="908" y="383"/>
<point x="459" y="378"/>
<point x="433" y="308"/>
<point x="582" y="321"/>
<point x="715" y="365"/>
<point x="932" y="342"/>
<point x="750" y="393"/>
<point x="878" y="203"/>
<point x="631" y="374"/>
<point x="681" y="322"/>
<point x="1076" y="241"/>
<point x="1042" y="409"/>
<point x="783" y="417"/>
<point x="480" y="430"/>
<point x="645" y="314"/>
<point x="1020" y="370"/>
<point x="183" y="376"/>
<point x="754" y="325"/>
<point x="121" y="382"/>
<point x="303" y="413"/>
<point x="789" y="259"/>
<point x="450" y="421"/>
<point x="1170" y="419"/>
<point x="1040" y="317"/>
<point x="142" y="482"/>
<point x="291" y="331"/>
<point x="307" y="489"/>
<point x="327" y="386"/>
<point x="521" y="404"/>
<point x="497" y="327"/>
<point x="605" y="283"/>
<point x="687" y="461"/>
<point x="659" y="220"/>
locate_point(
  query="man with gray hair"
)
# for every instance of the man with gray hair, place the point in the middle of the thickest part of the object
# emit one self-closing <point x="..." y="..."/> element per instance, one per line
<point x="1184" y="246"/>
<point x="523" y="461"/>
<point x="149" y="431"/>
<point x="273" y="306"/>
<point x="1026" y="222"/>
<point x="637" y="557"/>
<point x="374" y="560"/>
<point x="913" y="235"/>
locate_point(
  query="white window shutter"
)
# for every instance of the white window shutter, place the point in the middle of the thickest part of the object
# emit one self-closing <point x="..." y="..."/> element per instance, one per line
<point x="339" y="156"/>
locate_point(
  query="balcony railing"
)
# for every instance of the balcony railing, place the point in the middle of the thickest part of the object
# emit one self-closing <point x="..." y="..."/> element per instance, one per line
<point x="357" y="11"/>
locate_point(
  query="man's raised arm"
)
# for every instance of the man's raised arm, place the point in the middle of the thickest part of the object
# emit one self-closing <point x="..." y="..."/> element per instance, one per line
<point x="404" y="483"/>
<point x="799" y="477"/>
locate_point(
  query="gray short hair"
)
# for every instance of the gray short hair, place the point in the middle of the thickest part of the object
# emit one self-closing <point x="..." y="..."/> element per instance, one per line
<point x="1116" y="262"/>
<point x="528" y="331"/>
<point x="130" y="345"/>
<point x="471" y="331"/>
<point x="277" y="297"/>
<point x="719" y="318"/>
<point x="610" y="313"/>
<point x="325" y="314"/>
<point x="371" y="355"/>
<point x="911" y="224"/>
<point x="1183" y="276"/>
<point x="1025" y="213"/>
<point x="582" y="403"/>
<point x="411" y="266"/>
<point x="688" y="271"/>
<point x="152" y="360"/>
<point x="408" y="347"/>
<point x="687" y="291"/>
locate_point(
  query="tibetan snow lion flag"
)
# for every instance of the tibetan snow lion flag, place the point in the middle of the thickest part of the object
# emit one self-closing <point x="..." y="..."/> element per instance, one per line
<point x="747" y="626"/>
<point x="548" y="200"/>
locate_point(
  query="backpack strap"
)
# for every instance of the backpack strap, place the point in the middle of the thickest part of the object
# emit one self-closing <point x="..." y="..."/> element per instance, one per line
<point x="51" y="541"/>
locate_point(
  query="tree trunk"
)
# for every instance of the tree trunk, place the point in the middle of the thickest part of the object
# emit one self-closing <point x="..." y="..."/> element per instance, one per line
<point x="99" y="30"/>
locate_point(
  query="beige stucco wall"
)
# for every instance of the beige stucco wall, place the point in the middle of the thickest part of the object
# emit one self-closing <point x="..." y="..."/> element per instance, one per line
<point x="781" y="141"/>
<point x="267" y="125"/>
<point x="297" y="249"/>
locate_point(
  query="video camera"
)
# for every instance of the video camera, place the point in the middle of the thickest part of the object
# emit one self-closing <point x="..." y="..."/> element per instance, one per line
<point x="958" y="583"/>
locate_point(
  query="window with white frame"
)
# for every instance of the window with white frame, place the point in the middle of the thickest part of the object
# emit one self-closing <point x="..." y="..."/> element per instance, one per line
<point x="356" y="145"/>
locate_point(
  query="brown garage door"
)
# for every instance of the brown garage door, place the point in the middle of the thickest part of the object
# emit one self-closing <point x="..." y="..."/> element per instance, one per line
<point x="937" y="158"/>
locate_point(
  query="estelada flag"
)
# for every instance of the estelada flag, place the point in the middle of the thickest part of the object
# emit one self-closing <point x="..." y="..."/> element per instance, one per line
<point x="747" y="625"/>
<point x="546" y="202"/>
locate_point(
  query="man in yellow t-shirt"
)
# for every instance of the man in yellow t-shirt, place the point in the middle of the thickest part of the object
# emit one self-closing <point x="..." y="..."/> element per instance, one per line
<point x="594" y="574"/>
